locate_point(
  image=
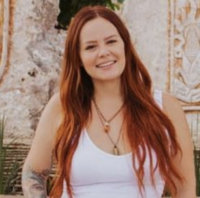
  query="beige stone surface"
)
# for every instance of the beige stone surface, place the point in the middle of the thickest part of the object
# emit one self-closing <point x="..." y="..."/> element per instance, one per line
<point x="186" y="59"/>
<point x="166" y="36"/>
<point x="148" y="24"/>
<point x="1" y="26"/>
<point x="34" y="65"/>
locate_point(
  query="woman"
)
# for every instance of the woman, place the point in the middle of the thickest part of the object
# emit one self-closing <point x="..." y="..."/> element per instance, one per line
<point x="112" y="135"/>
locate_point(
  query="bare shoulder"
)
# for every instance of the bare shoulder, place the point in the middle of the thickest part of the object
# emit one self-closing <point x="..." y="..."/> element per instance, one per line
<point x="173" y="110"/>
<point x="49" y="122"/>
<point x="185" y="162"/>
<point x="170" y="102"/>
<point x="40" y="154"/>
<point x="54" y="104"/>
<point x="172" y="107"/>
<point x="52" y="113"/>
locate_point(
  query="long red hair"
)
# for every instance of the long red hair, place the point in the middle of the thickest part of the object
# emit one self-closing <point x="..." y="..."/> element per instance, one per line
<point x="146" y="124"/>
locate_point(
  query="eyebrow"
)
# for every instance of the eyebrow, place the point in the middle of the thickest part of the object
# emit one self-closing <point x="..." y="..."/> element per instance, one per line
<point x="108" y="37"/>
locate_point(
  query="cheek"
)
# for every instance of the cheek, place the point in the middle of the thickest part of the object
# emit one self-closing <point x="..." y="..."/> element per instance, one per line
<point x="121" y="50"/>
<point x="122" y="55"/>
<point x="87" y="60"/>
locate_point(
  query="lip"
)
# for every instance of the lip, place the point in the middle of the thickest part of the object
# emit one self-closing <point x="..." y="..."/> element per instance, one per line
<point x="106" y="64"/>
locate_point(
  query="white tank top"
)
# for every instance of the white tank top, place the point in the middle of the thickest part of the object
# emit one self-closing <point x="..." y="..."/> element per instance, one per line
<point x="97" y="174"/>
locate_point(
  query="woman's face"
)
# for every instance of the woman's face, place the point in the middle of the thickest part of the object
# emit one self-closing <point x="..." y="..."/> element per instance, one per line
<point x="102" y="50"/>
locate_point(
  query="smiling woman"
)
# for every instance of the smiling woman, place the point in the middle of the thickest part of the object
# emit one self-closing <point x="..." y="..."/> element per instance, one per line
<point x="110" y="133"/>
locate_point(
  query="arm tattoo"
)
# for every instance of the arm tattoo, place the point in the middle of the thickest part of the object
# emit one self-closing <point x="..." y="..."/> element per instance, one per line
<point x="34" y="183"/>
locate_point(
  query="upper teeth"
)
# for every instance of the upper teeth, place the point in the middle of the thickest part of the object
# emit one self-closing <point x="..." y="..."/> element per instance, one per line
<point x="105" y="64"/>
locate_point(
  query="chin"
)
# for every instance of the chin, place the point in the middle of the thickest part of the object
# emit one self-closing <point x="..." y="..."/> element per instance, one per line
<point x="109" y="78"/>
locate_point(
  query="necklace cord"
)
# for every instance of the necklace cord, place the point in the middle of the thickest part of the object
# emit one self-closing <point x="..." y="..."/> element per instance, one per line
<point x="106" y="126"/>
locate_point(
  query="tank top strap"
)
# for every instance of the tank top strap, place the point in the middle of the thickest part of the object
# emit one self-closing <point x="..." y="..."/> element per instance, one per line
<point x="158" y="96"/>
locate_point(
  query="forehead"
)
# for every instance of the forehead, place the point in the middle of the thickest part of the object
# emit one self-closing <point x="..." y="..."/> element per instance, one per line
<point x="96" y="29"/>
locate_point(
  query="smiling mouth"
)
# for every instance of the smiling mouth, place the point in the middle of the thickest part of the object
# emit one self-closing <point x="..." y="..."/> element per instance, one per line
<point x="107" y="64"/>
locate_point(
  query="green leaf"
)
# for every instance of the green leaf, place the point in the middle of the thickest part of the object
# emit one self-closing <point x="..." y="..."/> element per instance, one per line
<point x="117" y="6"/>
<point x="120" y="1"/>
<point x="110" y="4"/>
<point x="197" y="169"/>
<point x="2" y="152"/>
<point x="7" y="177"/>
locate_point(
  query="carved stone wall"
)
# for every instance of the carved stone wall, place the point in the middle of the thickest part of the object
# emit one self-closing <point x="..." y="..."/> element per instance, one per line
<point x="185" y="67"/>
<point x="32" y="70"/>
<point x="186" y="52"/>
<point x="167" y="37"/>
<point x="165" y="33"/>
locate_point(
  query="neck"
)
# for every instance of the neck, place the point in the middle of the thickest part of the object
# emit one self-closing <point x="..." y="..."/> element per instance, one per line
<point x="108" y="91"/>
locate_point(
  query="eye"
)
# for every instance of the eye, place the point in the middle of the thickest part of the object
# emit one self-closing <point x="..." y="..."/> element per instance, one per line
<point x="90" y="47"/>
<point x="111" y="41"/>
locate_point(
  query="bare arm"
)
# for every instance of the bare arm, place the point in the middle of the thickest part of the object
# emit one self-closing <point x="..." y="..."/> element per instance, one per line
<point x="185" y="164"/>
<point x="34" y="183"/>
<point x="38" y="164"/>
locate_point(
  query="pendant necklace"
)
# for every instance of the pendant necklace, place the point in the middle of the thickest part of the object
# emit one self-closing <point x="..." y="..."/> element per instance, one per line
<point x="115" y="147"/>
<point x="106" y="127"/>
<point x="104" y="121"/>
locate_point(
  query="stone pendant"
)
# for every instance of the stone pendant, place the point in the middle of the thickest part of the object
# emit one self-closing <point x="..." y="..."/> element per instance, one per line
<point x="106" y="127"/>
<point x="116" y="150"/>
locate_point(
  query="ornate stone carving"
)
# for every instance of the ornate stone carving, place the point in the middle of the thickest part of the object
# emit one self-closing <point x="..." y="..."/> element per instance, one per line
<point x="184" y="32"/>
<point x="186" y="53"/>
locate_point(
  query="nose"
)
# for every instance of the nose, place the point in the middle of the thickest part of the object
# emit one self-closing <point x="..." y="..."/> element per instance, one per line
<point x="103" y="51"/>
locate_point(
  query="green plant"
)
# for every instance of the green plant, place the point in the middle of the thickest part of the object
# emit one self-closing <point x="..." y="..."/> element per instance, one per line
<point x="8" y="174"/>
<point x="196" y="158"/>
<point x="68" y="8"/>
<point x="11" y="178"/>
<point x="197" y="170"/>
<point x="2" y="154"/>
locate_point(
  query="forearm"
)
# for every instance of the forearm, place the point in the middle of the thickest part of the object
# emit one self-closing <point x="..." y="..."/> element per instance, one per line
<point x="34" y="183"/>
